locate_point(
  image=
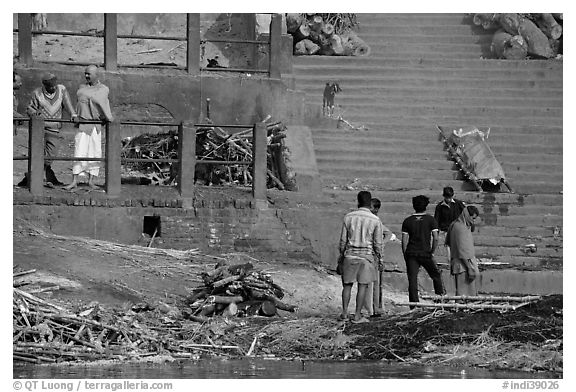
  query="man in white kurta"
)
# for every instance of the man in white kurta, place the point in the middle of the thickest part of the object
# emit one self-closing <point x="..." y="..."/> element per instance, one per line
<point x="93" y="104"/>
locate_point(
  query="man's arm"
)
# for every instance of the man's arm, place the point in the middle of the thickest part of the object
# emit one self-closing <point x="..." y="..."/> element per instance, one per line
<point x="67" y="102"/>
<point x="343" y="239"/>
<point x="405" y="238"/>
<point x="34" y="105"/>
<point x="378" y="243"/>
<point x="434" y="240"/>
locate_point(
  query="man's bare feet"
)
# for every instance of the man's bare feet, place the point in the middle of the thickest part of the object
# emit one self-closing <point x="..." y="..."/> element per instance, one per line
<point x="71" y="186"/>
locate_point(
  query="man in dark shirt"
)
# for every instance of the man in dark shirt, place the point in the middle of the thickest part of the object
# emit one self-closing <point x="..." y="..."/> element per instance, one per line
<point x="448" y="210"/>
<point x="418" y="230"/>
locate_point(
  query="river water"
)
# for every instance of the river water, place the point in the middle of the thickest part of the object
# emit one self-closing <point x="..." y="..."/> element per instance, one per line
<point x="262" y="369"/>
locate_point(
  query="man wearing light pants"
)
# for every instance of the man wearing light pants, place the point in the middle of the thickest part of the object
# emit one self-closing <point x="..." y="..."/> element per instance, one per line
<point x="93" y="104"/>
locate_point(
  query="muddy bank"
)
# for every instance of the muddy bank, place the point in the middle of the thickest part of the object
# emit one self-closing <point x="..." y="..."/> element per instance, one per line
<point x="119" y="280"/>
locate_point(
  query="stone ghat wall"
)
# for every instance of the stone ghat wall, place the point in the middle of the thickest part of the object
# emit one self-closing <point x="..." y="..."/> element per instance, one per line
<point x="209" y="225"/>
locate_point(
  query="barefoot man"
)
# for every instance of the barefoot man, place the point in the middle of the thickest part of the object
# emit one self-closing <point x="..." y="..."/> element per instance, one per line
<point x="93" y="104"/>
<point x="361" y="249"/>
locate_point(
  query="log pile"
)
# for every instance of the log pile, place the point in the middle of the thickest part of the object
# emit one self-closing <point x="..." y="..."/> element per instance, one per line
<point x="212" y="144"/>
<point x="236" y="290"/>
<point x="325" y="34"/>
<point x="520" y="36"/>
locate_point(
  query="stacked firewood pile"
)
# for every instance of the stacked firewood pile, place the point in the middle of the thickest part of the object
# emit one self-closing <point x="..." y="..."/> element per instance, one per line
<point x="212" y="144"/>
<point x="236" y="290"/>
<point x="325" y="34"/>
<point x="519" y="36"/>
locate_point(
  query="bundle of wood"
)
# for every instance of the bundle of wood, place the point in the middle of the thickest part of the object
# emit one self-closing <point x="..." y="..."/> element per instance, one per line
<point x="520" y="35"/>
<point x="325" y="34"/>
<point x="236" y="290"/>
<point x="212" y="144"/>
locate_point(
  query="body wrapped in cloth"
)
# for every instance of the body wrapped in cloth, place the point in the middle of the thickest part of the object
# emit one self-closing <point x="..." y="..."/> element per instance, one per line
<point x="468" y="147"/>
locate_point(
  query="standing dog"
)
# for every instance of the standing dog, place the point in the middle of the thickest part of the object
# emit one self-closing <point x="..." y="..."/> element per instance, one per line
<point x="330" y="91"/>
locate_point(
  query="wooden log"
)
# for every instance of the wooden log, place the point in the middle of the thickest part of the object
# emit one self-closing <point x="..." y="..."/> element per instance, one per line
<point x="353" y="45"/>
<point x="267" y="308"/>
<point x="225" y="281"/>
<point x="537" y="41"/>
<point x="559" y="17"/>
<point x="231" y="310"/>
<point x="548" y="25"/>
<point x="504" y="45"/>
<point x="336" y="44"/>
<point x="208" y="310"/>
<point x="23" y="273"/>
<point x="487" y="21"/>
<point x="293" y="22"/>
<point x="300" y="49"/>
<point x="328" y="30"/>
<point x="302" y="32"/>
<point x="221" y="299"/>
<point x="257" y="294"/>
<point x="316" y="24"/>
<point x="311" y="47"/>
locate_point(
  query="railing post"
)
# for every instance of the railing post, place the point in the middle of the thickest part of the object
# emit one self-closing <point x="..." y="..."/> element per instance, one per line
<point x="193" y="40"/>
<point x="275" y="46"/>
<point x="259" y="164"/>
<point x="110" y="42"/>
<point x="36" y="155"/>
<point x="250" y="20"/>
<point x="113" y="162"/>
<point x="187" y="160"/>
<point x="25" y="39"/>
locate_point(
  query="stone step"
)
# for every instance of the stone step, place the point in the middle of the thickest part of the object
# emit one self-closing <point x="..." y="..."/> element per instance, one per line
<point x="408" y="128"/>
<point x="424" y="171"/>
<point x="339" y="71"/>
<point x="375" y="38"/>
<point x="359" y="80"/>
<point x="370" y="162"/>
<point x="512" y="164"/>
<point x="477" y="119"/>
<point x="409" y="19"/>
<point x="484" y="198"/>
<point x="553" y="66"/>
<point x="382" y="110"/>
<point x="503" y="209"/>
<point x="314" y="93"/>
<point x="495" y="138"/>
<point x="423" y="145"/>
<point x="382" y="98"/>
<point x="391" y="184"/>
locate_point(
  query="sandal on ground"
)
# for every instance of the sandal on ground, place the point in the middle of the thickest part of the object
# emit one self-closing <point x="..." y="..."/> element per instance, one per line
<point x="360" y="321"/>
<point x="342" y="317"/>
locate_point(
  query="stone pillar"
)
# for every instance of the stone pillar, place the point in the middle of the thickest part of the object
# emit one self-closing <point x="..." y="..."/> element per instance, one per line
<point x="110" y="42"/>
<point x="113" y="162"/>
<point x="25" y="39"/>
<point x="36" y="155"/>
<point x="187" y="157"/>
<point x="259" y="165"/>
<point x="193" y="47"/>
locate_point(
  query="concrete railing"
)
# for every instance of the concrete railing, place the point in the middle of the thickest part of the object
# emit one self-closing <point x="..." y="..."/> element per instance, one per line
<point x="113" y="145"/>
<point x="192" y="38"/>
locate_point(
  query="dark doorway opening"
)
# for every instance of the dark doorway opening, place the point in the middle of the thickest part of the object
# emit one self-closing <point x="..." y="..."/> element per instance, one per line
<point x="152" y="226"/>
